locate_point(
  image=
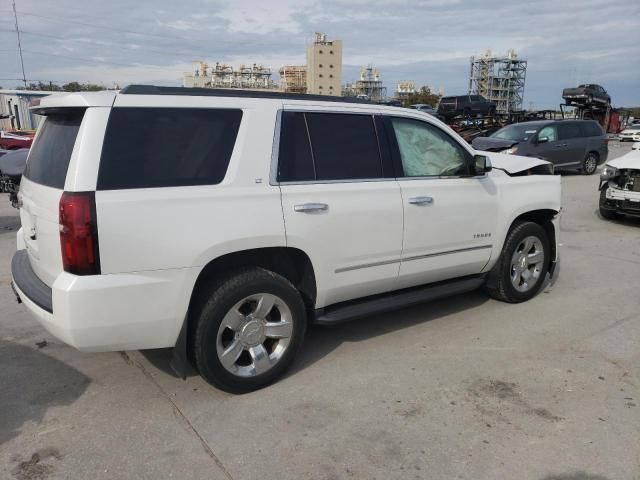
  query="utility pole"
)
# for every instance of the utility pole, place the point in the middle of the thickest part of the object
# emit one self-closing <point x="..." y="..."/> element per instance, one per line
<point x="15" y="14"/>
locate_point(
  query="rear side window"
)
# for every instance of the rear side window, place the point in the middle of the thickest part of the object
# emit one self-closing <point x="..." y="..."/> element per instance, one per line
<point x="167" y="147"/>
<point x="295" y="162"/>
<point x="344" y="146"/>
<point x="591" y="129"/>
<point x="328" y="146"/>
<point x="50" y="154"/>
<point x="568" y="130"/>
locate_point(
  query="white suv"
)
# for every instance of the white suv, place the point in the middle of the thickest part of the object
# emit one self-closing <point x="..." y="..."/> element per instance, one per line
<point x="221" y="222"/>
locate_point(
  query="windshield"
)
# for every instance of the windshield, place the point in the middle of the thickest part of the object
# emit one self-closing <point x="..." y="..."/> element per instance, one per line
<point x="633" y="127"/>
<point x="516" y="133"/>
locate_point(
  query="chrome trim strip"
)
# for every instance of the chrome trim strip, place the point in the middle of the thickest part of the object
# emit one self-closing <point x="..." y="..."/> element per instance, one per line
<point x="459" y="250"/>
<point x="366" y="265"/>
<point x="417" y="257"/>
<point x="566" y="163"/>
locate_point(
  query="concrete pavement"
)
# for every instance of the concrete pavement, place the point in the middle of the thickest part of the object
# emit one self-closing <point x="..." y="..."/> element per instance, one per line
<point x="465" y="387"/>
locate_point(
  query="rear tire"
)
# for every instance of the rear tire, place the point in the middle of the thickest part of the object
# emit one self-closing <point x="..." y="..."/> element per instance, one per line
<point x="523" y="264"/>
<point x="248" y="330"/>
<point x="590" y="163"/>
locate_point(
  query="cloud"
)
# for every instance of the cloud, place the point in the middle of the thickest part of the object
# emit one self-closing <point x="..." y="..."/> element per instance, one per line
<point x="429" y="41"/>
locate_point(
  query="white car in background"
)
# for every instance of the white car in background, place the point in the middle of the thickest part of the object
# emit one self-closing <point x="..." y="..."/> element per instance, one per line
<point x="631" y="133"/>
<point x="620" y="186"/>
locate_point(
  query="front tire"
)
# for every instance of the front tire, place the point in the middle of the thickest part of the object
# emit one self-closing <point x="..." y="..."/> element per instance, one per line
<point x="590" y="164"/>
<point x="523" y="264"/>
<point x="605" y="212"/>
<point x="248" y="330"/>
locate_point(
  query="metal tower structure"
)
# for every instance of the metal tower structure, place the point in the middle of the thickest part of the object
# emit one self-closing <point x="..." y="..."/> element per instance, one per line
<point x="499" y="79"/>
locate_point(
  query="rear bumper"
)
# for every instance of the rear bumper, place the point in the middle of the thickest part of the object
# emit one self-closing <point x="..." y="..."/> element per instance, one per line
<point x="108" y="312"/>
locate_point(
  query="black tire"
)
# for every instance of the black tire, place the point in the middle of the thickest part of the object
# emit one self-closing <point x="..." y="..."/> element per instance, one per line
<point x="605" y="212"/>
<point x="224" y="294"/>
<point x="590" y="163"/>
<point x="499" y="285"/>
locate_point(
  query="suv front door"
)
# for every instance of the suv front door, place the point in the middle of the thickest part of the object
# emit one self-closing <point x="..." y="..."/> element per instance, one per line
<point x="450" y="216"/>
<point x="340" y="201"/>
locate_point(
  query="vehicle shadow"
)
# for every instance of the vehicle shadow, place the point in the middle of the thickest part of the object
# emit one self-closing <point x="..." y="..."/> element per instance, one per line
<point x="575" y="476"/>
<point x="9" y="224"/>
<point x="322" y="340"/>
<point x="31" y="383"/>
<point x="620" y="220"/>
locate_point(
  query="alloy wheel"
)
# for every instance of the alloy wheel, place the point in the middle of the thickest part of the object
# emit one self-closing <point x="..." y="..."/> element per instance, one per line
<point x="527" y="263"/>
<point x="254" y="335"/>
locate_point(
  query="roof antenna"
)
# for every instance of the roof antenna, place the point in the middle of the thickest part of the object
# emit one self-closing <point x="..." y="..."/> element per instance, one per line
<point x="15" y="14"/>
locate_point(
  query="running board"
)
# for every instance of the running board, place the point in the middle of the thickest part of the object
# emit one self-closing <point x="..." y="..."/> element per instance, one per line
<point x="377" y="304"/>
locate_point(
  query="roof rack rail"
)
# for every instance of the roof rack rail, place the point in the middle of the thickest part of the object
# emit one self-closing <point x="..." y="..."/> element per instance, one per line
<point x="224" y="92"/>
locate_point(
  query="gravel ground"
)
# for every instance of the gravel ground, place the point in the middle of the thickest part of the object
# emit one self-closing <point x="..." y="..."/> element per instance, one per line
<point x="465" y="387"/>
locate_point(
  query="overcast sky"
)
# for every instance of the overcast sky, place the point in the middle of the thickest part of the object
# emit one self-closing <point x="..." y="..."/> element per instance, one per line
<point x="566" y="42"/>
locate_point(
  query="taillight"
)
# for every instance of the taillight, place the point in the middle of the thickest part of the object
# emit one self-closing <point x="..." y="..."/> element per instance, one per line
<point x="606" y="141"/>
<point x="79" y="233"/>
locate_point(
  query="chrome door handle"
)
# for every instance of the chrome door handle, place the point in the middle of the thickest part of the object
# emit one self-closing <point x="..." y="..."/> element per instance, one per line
<point x="421" y="200"/>
<point x="310" y="207"/>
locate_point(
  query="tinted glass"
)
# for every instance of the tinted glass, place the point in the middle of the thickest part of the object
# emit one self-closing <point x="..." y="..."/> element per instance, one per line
<point x="549" y="132"/>
<point x="590" y="129"/>
<point x="344" y="146"/>
<point x="428" y="151"/>
<point x="294" y="154"/>
<point x="50" y="154"/>
<point x="568" y="130"/>
<point x="167" y="147"/>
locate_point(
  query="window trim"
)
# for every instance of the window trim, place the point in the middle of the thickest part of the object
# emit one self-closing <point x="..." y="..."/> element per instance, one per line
<point x="384" y="149"/>
<point x="397" y="160"/>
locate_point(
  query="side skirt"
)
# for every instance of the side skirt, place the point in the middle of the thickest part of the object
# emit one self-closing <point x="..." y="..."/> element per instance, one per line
<point x="351" y="310"/>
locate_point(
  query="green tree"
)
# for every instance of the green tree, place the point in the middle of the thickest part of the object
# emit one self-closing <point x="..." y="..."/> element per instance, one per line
<point x="424" y="95"/>
<point x="72" y="87"/>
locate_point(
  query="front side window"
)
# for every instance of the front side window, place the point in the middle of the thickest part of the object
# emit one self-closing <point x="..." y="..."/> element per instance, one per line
<point x="167" y="147"/>
<point x="426" y="151"/>
<point x="549" y="132"/>
<point x="517" y="132"/>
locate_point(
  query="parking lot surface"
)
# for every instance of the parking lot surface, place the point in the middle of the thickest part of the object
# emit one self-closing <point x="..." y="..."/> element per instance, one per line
<point x="466" y="387"/>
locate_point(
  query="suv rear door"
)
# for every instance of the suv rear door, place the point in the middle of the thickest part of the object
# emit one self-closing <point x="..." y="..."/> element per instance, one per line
<point x="340" y="202"/>
<point x="42" y="186"/>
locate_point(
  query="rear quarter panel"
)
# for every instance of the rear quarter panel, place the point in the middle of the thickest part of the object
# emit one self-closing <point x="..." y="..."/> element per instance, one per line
<point x="186" y="227"/>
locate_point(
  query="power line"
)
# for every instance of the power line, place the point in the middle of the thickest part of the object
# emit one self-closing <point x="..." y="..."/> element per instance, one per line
<point x="93" y="25"/>
<point x="104" y="62"/>
<point x="115" y="44"/>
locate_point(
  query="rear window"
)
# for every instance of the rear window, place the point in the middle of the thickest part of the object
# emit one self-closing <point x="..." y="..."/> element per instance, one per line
<point x="51" y="152"/>
<point x="167" y="147"/>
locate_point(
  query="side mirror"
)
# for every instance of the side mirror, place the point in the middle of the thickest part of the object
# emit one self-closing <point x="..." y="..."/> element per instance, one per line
<point x="542" y="140"/>
<point x="482" y="164"/>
